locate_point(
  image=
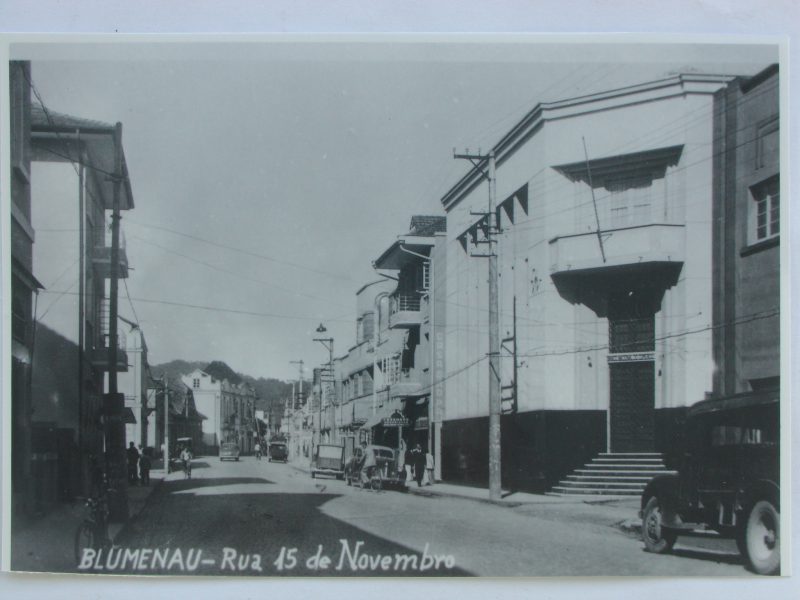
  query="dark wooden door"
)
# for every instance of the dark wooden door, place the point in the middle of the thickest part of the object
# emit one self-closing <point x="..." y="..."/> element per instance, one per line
<point x="632" y="406"/>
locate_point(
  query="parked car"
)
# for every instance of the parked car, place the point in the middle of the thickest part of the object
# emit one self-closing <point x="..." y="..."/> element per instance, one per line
<point x="386" y="471"/>
<point x="328" y="459"/>
<point x="278" y="451"/>
<point x="229" y="451"/>
<point x="729" y="481"/>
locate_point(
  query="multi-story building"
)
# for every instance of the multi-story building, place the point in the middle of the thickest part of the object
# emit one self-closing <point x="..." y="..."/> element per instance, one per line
<point x="746" y="236"/>
<point x="414" y="375"/>
<point x="229" y="410"/>
<point x="134" y="383"/>
<point x="604" y="225"/>
<point x="94" y="149"/>
<point x="23" y="285"/>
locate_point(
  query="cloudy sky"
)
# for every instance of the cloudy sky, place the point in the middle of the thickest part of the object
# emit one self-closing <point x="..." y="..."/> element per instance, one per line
<point x="268" y="175"/>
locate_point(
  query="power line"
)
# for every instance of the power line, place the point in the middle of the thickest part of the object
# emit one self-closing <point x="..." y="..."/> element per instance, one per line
<point x="214" y="308"/>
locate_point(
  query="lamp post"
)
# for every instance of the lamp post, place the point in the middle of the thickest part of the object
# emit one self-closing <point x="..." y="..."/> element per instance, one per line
<point x="328" y="343"/>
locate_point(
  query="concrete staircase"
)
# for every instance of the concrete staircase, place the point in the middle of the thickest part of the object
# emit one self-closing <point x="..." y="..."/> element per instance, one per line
<point x="612" y="475"/>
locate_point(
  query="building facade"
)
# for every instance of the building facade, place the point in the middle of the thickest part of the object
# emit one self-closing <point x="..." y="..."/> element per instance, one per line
<point x="228" y="408"/>
<point x="747" y="236"/>
<point x="604" y="212"/>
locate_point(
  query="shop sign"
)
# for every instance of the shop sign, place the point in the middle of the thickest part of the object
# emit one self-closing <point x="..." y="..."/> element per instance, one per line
<point x="396" y="420"/>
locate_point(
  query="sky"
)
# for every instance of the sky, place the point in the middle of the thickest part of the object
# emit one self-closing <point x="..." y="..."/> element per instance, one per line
<point x="267" y="176"/>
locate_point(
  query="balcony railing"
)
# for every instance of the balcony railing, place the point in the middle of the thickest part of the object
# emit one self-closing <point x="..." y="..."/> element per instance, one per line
<point x="405" y="310"/>
<point x="405" y="303"/>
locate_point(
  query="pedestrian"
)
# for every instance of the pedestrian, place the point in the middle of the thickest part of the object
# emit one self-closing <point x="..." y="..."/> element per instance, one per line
<point x="144" y="467"/>
<point x="133" y="464"/>
<point x="419" y="464"/>
<point x="258" y="451"/>
<point x="409" y="465"/>
<point x="429" y="466"/>
<point x="186" y="459"/>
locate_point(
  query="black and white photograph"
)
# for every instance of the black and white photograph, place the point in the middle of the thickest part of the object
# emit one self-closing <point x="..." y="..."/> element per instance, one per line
<point x="395" y="306"/>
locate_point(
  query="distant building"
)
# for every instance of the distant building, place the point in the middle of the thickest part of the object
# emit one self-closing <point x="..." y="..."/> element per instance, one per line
<point x="229" y="409"/>
<point x="134" y="383"/>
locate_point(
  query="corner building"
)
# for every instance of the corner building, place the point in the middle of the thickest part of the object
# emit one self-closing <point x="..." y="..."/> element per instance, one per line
<point x="604" y="209"/>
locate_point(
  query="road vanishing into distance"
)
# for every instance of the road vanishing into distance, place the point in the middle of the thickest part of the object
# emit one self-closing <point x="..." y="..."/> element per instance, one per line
<point x="256" y="518"/>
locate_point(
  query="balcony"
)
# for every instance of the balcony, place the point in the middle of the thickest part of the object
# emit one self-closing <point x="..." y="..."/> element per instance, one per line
<point x="633" y="255"/>
<point x="99" y="356"/>
<point x="101" y="260"/>
<point x="405" y="384"/>
<point x="655" y="243"/>
<point x="405" y="310"/>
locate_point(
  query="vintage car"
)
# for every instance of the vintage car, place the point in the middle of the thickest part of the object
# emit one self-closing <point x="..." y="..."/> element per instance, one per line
<point x="328" y="460"/>
<point x="729" y="481"/>
<point x="277" y="451"/>
<point x="386" y="473"/>
<point x="229" y="451"/>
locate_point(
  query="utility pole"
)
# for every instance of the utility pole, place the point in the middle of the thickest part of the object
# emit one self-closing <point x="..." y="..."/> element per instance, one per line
<point x="485" y="164"/>
<point x="328" y="343"/>
<point x="166" y="425"/>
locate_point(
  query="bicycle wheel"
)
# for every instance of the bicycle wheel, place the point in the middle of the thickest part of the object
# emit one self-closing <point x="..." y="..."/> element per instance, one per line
<point x="85" y="538"/>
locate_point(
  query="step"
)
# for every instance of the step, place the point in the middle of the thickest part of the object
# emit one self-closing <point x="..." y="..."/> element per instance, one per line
<point x="642" y="478"/>
<point x="628" y="461"/>
<point x="640" y="485"/>
<point x="562" y="491"/>
<point x="625" y="467"/>
<point x="623" y="472"/>
<point x="632" y="454"/>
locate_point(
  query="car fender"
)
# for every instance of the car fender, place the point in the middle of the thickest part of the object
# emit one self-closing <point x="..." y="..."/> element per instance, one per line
<point x="760" y="489"/>
<point x="667" y="489"/>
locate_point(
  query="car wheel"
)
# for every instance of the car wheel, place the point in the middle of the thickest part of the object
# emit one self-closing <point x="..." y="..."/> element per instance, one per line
<point x="657" y="538"/>
<point x="759" y="541"/>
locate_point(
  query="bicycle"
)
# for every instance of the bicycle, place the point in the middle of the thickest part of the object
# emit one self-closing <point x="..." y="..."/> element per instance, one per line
<point x="92" y="533"/>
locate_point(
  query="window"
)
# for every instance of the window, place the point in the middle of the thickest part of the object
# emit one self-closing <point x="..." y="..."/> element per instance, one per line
<point x="195" y="383"/>
<point x="766" y="209"/>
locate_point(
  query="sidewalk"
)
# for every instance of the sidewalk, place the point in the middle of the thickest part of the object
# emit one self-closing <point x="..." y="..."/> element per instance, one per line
<point x="47" y="543"/>
<point x="620" y="512"/>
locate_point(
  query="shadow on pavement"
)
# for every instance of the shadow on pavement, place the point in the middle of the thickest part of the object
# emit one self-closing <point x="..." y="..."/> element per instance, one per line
<point x="260" y="528"/>
<point x="709" y="555"/>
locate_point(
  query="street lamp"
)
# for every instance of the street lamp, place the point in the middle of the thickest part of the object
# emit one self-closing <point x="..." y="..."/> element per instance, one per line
<point x="328" y="344"/>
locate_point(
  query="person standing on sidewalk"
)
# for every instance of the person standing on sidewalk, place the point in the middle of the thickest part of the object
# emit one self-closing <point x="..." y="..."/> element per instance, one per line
<point x="133" y="464"/>
<point x="429" y="467"/>
<point x="418" y="462"/>
<point x="144" y="467"/>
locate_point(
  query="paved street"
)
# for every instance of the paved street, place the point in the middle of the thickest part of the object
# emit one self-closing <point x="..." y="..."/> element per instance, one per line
<point x="259" y="518"/>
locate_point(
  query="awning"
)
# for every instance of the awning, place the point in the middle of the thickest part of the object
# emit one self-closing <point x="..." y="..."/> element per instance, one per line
<point x="127" y="416"/>
<point x="374" y="420"/>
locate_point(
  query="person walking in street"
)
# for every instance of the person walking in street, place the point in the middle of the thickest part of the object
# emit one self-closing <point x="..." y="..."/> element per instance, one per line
<point x="419" y="464"/>
<point x="144" y="467"/>
<point x="186" y="459"/>
<point x="133" y="464"/>
<point x="429" y="467"/>
<point x="258" y="451"/>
